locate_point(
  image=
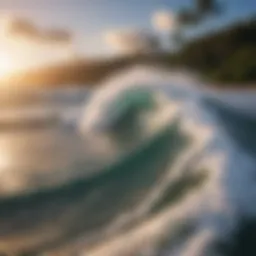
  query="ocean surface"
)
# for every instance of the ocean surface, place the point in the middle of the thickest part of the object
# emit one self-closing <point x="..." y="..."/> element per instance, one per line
<point x="152" y="163"/>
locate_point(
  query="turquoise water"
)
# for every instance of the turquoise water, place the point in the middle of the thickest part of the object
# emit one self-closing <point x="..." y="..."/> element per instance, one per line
<point x="127" y="178"/>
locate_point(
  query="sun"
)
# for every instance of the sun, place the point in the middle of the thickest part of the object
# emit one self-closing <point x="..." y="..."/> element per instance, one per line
<point x="6" y="65"/>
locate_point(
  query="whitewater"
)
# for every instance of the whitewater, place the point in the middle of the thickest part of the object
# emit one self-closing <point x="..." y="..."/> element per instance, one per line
<point x="179" y="181"/>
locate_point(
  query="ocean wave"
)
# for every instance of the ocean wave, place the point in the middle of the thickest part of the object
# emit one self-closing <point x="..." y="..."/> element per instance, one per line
<point x="180" y="183"/>
<point x="216" y="208"/>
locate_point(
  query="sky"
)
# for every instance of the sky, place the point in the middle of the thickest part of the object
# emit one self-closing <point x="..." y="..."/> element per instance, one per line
<point x="37" y="32"/>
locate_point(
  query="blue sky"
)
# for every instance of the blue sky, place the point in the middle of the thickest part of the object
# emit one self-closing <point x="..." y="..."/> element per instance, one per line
<point x="90" y="19"/>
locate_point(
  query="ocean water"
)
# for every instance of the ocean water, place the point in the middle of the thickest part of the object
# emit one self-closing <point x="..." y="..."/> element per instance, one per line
<point x="151" y="163"/>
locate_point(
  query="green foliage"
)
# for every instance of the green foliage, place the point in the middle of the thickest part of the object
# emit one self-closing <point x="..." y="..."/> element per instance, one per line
<point x="226" y="56"/>
<point x="241" y="66"/>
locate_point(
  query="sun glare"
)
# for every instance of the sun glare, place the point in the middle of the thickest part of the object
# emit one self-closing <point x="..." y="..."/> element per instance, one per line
<point x="6" y="65"/>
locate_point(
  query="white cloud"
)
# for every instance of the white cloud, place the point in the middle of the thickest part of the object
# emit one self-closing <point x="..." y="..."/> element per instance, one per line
<point x="164" y="20"/>
<point x="19" y="27"/>
<point x="131" y="41"/>
<point x="29" y="45"/>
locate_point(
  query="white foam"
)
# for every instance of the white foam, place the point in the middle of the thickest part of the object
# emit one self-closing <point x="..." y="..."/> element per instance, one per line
<point x="216" y="206"/>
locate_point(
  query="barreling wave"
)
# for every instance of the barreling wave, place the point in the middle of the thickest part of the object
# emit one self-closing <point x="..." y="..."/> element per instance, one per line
<point x="178" y="180"/>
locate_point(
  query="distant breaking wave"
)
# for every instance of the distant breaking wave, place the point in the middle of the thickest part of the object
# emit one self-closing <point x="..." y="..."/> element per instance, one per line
<point x="176" y="179"/>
